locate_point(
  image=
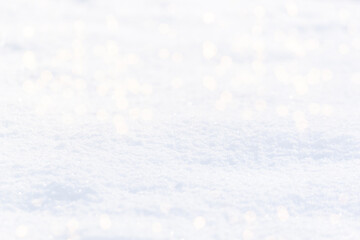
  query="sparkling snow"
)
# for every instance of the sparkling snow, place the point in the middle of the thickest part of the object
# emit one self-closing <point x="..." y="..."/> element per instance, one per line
<point x="179" y="119"/>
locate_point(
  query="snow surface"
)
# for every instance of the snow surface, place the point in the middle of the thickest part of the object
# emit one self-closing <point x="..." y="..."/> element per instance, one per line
<point x="179" y="119"/>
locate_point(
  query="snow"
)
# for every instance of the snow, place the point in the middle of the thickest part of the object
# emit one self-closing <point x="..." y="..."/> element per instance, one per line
<point x="171" y="119"/>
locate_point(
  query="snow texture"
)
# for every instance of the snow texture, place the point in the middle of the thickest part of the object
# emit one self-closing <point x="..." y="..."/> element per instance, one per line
<point x="179" y="119"/>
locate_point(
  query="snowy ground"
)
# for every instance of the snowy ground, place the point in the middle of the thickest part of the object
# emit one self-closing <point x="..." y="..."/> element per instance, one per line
<point x="179" y="119"/>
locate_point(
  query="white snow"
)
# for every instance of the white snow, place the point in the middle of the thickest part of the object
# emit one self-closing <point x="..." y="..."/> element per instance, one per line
<point x="179" y="119"/>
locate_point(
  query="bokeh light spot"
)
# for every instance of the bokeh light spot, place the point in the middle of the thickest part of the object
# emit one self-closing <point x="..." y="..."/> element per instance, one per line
<point x="29" y="60"/>
<point x="282" y="213"/>
<point x="208" y="17"/>
<point x="209" y="50"/>
<point x="73" y="225"/>
<point x="199" y="222"/>
<point x="250" y="217"/>
<point x="120" y="125"/>
<point x="247" y="234"/>
<point x="157" y="227"/>
<point x="282" y="110"/>
<point x="209" y="83"/>
<point x="105" y="222"/>
<point x="22" y="231"/>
